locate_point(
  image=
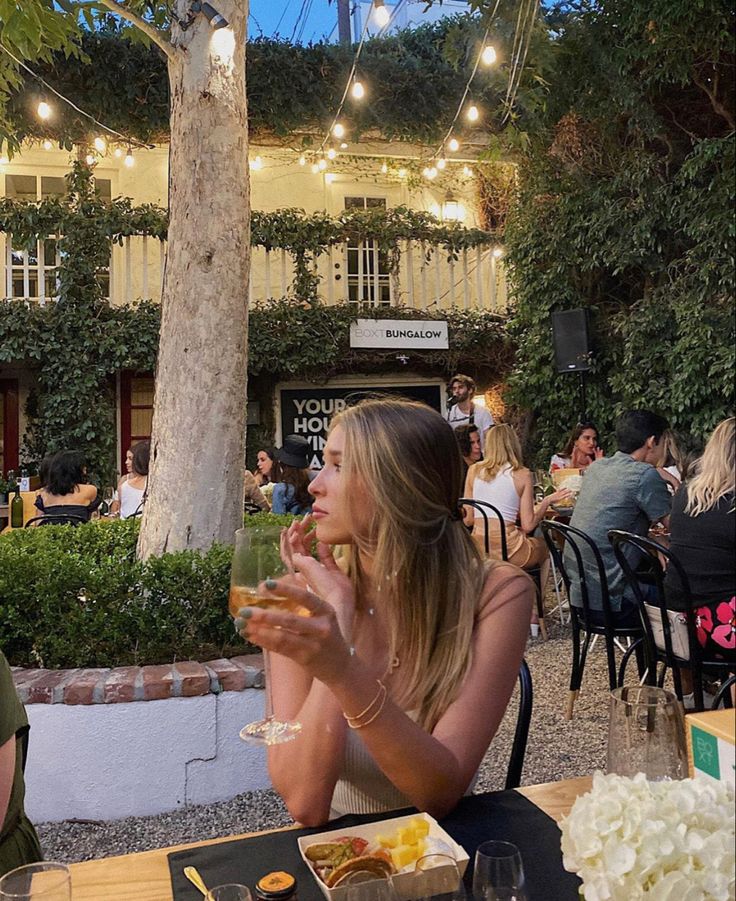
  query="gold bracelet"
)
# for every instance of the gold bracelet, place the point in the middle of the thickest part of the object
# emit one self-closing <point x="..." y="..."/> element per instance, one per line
<point x="354" y="725"/>
<point x="374" y="700"/>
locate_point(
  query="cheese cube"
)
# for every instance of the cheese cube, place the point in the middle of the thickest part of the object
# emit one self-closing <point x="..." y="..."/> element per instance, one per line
<point x="407" y="835"/>
<point x="420" y="826"/>
<point x="390" y="840"/>
<point x="403" y="855"/>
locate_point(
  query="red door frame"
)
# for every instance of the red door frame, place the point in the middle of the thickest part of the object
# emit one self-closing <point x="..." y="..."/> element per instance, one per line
<point x="11" y="423"/>
<point x="126" y="439"/>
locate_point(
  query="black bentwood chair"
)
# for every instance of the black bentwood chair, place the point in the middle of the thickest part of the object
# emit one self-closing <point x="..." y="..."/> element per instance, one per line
<point x="658" y="619"/>
<point x="581" y="620"/>
<point x="521" y="733"/>
<point x="56" y="519"/>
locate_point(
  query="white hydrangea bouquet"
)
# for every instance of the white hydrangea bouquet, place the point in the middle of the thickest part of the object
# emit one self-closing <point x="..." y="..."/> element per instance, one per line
<point x="630" y="839"/>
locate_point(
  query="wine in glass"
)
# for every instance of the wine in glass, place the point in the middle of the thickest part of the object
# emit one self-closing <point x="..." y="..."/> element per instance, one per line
<point x="108" y="495"/>
<point x="257" y="557"/>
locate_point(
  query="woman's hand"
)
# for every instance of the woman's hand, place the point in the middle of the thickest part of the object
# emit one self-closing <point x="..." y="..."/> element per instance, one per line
<point x="300" y="538"/>
<point x="599" y="453"/>
<point x="314" y="641"/>
<point x="562" y="495"/>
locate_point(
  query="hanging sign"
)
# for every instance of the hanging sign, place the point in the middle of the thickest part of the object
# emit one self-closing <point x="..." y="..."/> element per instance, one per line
<point x="399" y="334"/>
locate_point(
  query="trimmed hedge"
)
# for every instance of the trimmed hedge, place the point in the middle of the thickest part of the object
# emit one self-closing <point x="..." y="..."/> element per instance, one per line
<point x="78" y="597"/>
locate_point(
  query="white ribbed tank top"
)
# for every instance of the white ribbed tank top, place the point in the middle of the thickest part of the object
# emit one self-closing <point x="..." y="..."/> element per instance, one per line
<point x="501" y="492"/>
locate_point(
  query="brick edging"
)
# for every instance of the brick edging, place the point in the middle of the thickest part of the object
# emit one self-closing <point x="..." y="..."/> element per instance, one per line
<point x="121" y="684"/>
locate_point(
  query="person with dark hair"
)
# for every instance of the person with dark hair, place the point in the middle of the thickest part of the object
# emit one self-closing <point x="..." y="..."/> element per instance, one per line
<point x="18" y="840"/>
<point x="464" y="411"/>
<point x="132" y="487"/>
<point x="291" y="477"/>
<point x="66" y="490"/>
<point x="264" y="466"/>
<point x="627" y="492"/>
<point x="581" y="449"/>
<point x="468" y="440"/>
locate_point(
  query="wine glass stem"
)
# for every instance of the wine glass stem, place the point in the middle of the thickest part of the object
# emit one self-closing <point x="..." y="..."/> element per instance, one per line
<point x="268" y="685"/>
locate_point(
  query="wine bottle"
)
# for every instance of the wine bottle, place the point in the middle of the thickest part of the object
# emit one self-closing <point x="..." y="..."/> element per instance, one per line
<point x="16" y="509"/>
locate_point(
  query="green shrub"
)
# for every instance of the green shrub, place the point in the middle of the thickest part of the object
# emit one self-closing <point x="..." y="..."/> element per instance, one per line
<point x="77" y="597"/>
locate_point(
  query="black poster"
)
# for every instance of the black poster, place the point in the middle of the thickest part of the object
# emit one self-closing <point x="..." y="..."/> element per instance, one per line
<point x="308" y="411"/>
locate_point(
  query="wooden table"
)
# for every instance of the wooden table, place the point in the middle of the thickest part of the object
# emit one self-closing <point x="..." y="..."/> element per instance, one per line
<point x="145" y="876"/>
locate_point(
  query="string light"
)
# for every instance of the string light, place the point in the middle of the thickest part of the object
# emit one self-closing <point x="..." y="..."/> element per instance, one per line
<point x="331" y="153"/>
<point x="453" y="145"/>
<point x="302" y="160"/>
<point x="489" y="55"/>
<point x="430" y="172"/>
<point x="384" y="168"/>
<point x="129" y="159"/>
<point x="357" y="90"/>
<point x="381" y="15"/>
<point x="47" y="145"/>
<point x="43" y="110"/>
<point x="498" y="252"/>
<point x="343" y="146"/>
<point x="89" y="159"/>
<point x="467" y="171"/>
<point x="315" y="168"/>
<point x="338" y="129"/>
<point x="322" y="164"/>
<point x="256" y="164"/>
<point x="441" y="163"/>
<point x="100" y="145"/>
<point x="118" y="152"/>
<point x="472" y="113"/>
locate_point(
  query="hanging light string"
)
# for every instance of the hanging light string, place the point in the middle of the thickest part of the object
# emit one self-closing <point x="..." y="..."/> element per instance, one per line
<point x="524" y="32"/>
<point x="129" y="142"/>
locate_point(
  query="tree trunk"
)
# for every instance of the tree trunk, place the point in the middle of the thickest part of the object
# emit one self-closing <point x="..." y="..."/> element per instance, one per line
<point x="195" y="484"/>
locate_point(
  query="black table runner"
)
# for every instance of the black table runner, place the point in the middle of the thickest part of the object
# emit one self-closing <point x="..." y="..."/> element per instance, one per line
<point x="507" y="816"/>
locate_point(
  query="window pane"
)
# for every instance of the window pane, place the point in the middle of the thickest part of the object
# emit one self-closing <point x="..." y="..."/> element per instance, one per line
<point x="52" y="186"/>
<point x="104" y="188"/>
<point x="33" y="284"/>
<point x="352" y="203"/>
<point x="33" y="255"/>
<point x="376" y="203"/>
<point x="140" y="423"/>
<point x="18" y="286"/>
<point x="18" y="257"/>
<point x="49" y="252"/>
<point x="22" y="187"/>
<point x="141" y="391"/>
<point x="50" y="284"/>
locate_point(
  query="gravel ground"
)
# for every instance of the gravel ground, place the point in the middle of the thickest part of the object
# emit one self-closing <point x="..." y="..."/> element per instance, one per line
<point x="557" y="749"/>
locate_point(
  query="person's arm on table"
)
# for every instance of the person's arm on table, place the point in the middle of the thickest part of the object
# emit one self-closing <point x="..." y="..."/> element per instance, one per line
<point x="529" y="515"/>
<point x="433" y="771"/>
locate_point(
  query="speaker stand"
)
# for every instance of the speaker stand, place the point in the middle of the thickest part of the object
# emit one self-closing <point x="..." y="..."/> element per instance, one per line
<point x="583" y="399"/>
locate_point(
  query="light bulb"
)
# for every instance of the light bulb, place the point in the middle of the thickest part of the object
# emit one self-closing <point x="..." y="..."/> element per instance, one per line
<point x="89" y="159"/>
<point x="430" y="172"/>
<point x="256" y="164"/>
<point x="331" y="153"/>
<point x="47" y="145"/>
<point x="489" y="55"/>
<point x="315" y="168"/>
<point x="381" y="15"/>
<point x="441" y="163"/>
<point x="100" y="145"/>
<point x="402" y="173"/>
<point x="129" y="160"/>
<point x="472" y="113"/>
<point x="358" y="91"/>
<point x="453" y="145"/>
<point x="338" y="129"/>
<point x="118" y="152"/>
<point x="4" y="160"/>
<point x="467" y="171"/>
<point x="343" y="146"/>
<point x="384" y="168"/>
<point x="330" y="177"/>
<point x="302" y="160"/>
<point x="322" y="164"/>
<point x="498" y="252"/>
<point x="43" y="110"/>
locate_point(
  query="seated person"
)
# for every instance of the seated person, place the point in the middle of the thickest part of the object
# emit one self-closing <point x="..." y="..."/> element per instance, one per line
<point x="502" y="480"/>
<point x="18" y="840"/>
<point x="580" y="451"/>
<point x="389" y="675"/>
<point x="625" y="492"/>
<point x="264" y="465"/>
<point x="252" y="494"/>
<point x="468" y="439"/>
<point x="703" y="540"/>
<point x="670" y="461"/>
<point x="291" y="477"/>
<point x="67" y="490"/>
<point x="132" y="487"/>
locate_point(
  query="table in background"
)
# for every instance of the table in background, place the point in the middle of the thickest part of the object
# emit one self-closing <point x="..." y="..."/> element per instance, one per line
<point x="145" y="876"/>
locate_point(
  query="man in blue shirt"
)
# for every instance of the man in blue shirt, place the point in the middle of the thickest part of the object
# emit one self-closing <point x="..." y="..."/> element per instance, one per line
<point x="625" y="492"/>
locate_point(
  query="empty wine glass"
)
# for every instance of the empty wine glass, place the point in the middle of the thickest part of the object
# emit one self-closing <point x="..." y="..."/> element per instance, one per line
<point x="362" y="885"/>
<point x="37" y="882"/>
<point x="437" y="874"/>
<point x="646" y="733"/>
<point x="231" y="892"/>
<point x="108" y="495"/>
<point x="498" y="873"/>
<point x="257" y="557"/>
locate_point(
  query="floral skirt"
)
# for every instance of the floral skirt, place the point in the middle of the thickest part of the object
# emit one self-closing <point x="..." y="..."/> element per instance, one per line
<point x="715" y="625"/>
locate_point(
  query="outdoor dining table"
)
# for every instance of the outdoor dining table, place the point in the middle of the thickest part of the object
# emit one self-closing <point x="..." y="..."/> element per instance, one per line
<point x="147" y="876"/>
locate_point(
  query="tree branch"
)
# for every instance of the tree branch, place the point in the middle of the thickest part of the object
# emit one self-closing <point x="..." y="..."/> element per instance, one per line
<point x="149" y="30"/>
<point x="718" y="107"/>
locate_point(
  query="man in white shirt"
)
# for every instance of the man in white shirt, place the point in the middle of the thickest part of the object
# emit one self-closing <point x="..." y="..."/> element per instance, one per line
<point x="464" y="411"/>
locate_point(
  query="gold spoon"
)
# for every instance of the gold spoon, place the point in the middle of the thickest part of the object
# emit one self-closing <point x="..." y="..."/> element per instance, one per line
<point x="193" y="876"/>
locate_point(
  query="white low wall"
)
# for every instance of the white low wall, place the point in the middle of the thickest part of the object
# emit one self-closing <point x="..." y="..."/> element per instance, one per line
<point x="107" y="761"/>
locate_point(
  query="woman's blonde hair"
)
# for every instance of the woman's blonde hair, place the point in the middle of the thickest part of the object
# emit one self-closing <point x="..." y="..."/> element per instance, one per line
<point x="426" y="567"/>
<point x="502" y="449"/>
<point x="716" y="471"/>
<point x="669" y="451"/>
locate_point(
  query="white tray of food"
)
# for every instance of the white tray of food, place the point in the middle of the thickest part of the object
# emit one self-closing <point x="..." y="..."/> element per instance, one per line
<point x="389" y="848"/>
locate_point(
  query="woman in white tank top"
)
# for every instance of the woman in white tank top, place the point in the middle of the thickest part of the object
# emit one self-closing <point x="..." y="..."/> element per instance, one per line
<point x="132" y="487"/>
<point x="501" y="479"/>
<point x="389" y="673"/>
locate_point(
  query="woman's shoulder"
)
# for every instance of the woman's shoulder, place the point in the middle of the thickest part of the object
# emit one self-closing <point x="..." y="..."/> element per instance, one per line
<point x="504" y="584"/>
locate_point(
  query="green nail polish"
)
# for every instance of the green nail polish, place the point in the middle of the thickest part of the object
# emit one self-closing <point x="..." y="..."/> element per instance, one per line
<point x="239" y="624"/>
<point x="271" y="584"/>
<point x="245" y="612"/>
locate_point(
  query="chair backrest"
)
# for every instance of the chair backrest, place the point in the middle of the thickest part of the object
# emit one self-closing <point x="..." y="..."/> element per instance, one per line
<point x="485" y="509"/>
<point x="579" y="543"/>
<point x="55" y="519"/>
<point x="521" y="733"/>
<point x="24" y="748"/>
<point x="650" y="551"/>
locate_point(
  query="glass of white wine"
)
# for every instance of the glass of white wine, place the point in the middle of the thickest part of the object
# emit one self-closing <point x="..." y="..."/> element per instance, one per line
<point x="257" y="557"/>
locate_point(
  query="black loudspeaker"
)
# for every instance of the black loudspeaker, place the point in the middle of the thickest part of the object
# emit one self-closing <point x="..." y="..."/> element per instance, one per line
<point x="571" y="340"/>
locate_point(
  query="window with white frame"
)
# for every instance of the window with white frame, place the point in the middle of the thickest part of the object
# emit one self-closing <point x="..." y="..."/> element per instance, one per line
<point x="32" y="273"/>
<point x="369" y="277"/>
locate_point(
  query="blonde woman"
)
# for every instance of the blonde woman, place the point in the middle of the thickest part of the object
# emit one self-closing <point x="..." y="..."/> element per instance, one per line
<point x="703" y="539"/>
<point x="502" y="479"/>
<point x="402" y="672"/>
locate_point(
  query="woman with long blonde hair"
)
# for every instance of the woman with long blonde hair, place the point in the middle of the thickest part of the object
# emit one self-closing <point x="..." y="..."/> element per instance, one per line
<point x="703" y="539"/>
<point x="501" y="479"/>
<point x="402" y="672"/>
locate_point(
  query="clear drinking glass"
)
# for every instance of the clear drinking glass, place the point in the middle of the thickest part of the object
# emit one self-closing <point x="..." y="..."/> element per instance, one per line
<point x="257" y="557"/>
<point x="108" y="495"/>
<point x="499" y="873"/>
<point x="437" y="874"/>
<point x="646" y="734"/>
<point x="232" y="892"/>
<point x="37" y="882"/>
<point x="362" y="885"/>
